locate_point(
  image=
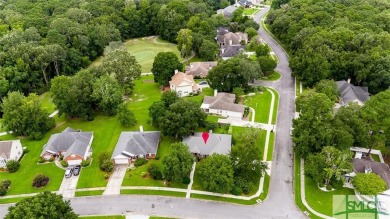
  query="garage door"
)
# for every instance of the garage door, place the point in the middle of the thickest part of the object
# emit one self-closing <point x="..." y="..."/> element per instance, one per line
<point x="122" y="161"/>
<point x="74" y="162"/>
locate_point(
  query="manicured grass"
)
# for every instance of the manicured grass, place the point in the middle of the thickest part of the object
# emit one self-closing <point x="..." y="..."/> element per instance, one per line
<point x="323" y="204"/>
<point x="264" y="195"/>
<point x="272" y="77"/>
<point x="375" y="157"/>
<point x="11" y="200"/>
<point x="89" y="193"/>
<point x="223" y="199"/>
<point x="152" y="192"/>
<point x="199" y="98"/>
<point x="276" y="105"/>
<point x="47" y="102"/>
<point x="157" y="217"/>
<point x="21" y="181"/>
<point x="297" y="87"/>
<point x="133" y="177"/>
<point x="271" y="146"/>
<point x="104" y="217"/>
<point x="196" y="59"/>
<point x="250" y="11"/>
<point x="212" y="118"/>
<point x="261" y="103"/>
<point x="144" y="50"/>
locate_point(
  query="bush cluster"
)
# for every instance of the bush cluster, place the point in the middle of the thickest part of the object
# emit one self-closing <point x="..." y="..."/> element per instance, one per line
<point x="105" y="163"/>
<point x="40" y="180"/>
<point x="4" y="186"/>
<point x="13" y="166"/>
<point x="155" y="172"/>
<point x="140" y="162"/>
<point x="86" y="162"/>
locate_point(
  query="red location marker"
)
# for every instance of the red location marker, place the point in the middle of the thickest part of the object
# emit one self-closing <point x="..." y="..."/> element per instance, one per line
<point x="205" y="136"/>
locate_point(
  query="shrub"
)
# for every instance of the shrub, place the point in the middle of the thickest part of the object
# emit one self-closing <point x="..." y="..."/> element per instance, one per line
<point x="140" y="162"/>
<point x="337" y="184"/>
<point x="329" y="187"/>
<point x="143" y="174"/>
<point x="41" y="160"/>
<point x="64" y="163"/>
<point x="369" y="183"/>
<point x="211" y="126"/>
<point x="157" y="157"/>
<point x="61" y="157"/>
<point x="103" y="156"/>
<point x="13" y="166"/>
<point x="51" y="159"/>
<point x="25" y="151"/>
<point x="236" y="190"/>
<point x="107" y="166"/>
<point x="155" y="172"/>
<point x="186" y="180"/>
<point x="40" y="180"/>
<point x="106" y="176"/>
<point x="5" y="183"/>
<point x="3" y="191"/>
<point x="85" y="163"/>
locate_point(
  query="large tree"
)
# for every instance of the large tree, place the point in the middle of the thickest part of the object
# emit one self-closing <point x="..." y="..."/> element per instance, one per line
<point x="24" y="116"/>
<point x="208" y="50"/>
<point x="181" y="119"/>
<point x="329" y="164"/>
<point x="164" y="66"/>
<point x="329" y="88"/>
<point x="178" y="163"/>
<point x="123" y="67"/>
<point x="43" y="205"/>
<point x="216" y="173"/>
<point x="234" y="72"/>
<point x="108" y="93"/>
<point x="184" y="42"/>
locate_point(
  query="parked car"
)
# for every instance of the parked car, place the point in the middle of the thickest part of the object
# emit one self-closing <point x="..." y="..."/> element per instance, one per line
<point x="76" y="170"/>
<point x="68" y="172"/>
<point x="203" y="83"/>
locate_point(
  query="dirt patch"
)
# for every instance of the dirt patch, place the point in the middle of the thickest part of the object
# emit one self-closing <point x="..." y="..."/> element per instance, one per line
<point x="148" y="81"/>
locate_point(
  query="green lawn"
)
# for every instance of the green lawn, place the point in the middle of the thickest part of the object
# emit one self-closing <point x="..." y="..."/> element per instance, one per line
<point x="199" y="98"/>
<point x="271" y="146"/>
<point x="223" y="199"/>
<point x="276" y="105"/>
<point x="261" y="103"/>
<point x="104" y="217"/>
<point x="152" y="192"/>
<point x="21" y="181"/>
<point x="375" y="157"/>
<point x="272" y="77"/>
<point x="133" y="177"/>
<point x="250" y="11"/>
<point x="144" y="50"/>
<point x="10" y="200"/>
<point x="89" y="193"/>
<point x="47" y="103"/>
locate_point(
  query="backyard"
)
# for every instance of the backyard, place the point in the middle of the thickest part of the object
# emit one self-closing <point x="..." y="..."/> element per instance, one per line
<point x="145" y="49"/>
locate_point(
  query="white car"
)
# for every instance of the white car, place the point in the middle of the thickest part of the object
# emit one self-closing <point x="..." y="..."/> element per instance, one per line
<point x="68" y="172"/>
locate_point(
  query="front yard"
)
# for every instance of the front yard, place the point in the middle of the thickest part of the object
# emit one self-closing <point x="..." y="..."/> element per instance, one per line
<point x="250" y="11"/>
<point x="261" y="103"/>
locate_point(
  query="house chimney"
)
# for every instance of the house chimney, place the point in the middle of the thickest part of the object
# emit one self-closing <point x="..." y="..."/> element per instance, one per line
<point x="176" y="71"/>
<point x="141" y="129"/>
<point x="349" y="80"/>
<point x="215" y="92"/>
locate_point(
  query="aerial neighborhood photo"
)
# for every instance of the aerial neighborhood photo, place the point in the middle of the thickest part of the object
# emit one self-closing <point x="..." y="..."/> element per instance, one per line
<point x="138" y="109"/>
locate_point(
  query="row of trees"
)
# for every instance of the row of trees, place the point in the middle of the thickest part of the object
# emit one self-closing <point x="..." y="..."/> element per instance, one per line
<point x="352" y="125"/>
<point x="336" y="40"/>
<point x="40" y="40"/>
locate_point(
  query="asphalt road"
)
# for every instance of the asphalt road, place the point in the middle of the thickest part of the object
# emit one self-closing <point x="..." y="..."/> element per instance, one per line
<point x="280" y="202"/>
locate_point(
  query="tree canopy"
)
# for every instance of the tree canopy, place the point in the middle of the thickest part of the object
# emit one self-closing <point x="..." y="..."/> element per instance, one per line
<point x="369" y="183"/>
<point x="178" y="163"/>
<point x="164" y="67"/>
<point x="43" y="205"/>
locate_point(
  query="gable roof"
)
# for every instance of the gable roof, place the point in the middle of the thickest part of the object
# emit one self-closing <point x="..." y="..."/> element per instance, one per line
<point x="69" y="140"/>
<point x="245" y="2"/>
<point x="223" y="101"/>
<point x="231" y="38"/>
<point x="137" y="143"/>
<point x="350" y="92"/>
<point x="228" y="11"/>
<point x="381" y="169"/>
<point x="5" y="149"/>
<point x="216" y="143"/>
<point x="200" y="68"/>
<point x="231" y="51"/>
<point x="180" y="78"/>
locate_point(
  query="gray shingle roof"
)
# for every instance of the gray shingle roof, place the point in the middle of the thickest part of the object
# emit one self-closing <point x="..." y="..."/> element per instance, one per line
<point x="349" y="92"/>
<point x="381" y="169"/>
<point x="5" y="149"/>
<point x="228" y="11"/>
<point x="224" y="101"/>
<point x="69" y="140"/>
<point x="216" y="143"/>
<point x="200" y="68"/>
<point x="231" y="51"/>
<point x="137" y="143"/>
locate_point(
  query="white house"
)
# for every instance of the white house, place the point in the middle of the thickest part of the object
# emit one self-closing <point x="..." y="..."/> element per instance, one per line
<point x="183" y="84"/>
<point x="222" y="104"/>
<point x="10" y="150"/>
<point x="73" y="145"/>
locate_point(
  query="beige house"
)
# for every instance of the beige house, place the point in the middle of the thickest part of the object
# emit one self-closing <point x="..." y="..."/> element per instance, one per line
<point x="183" y="84"/>
<point x="223" y="104"/>
<point x="10" y="150"/>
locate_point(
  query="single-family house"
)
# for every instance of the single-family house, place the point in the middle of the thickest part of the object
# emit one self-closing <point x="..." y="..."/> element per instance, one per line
<point x="10" y="150"/>
<point x="134" y="145"/>
<point x="231" y="51"/>
<point x="231" y="39"/>
<point x="183" y="84"/>
<point x="73" y="145"/>
<point x="245" y="3"/>
<point x="222" y="104"/>
<point x="228" y="11"/>
<point x="370" y="166"/>
<point x="214" y="144"/>
<point x="350" y="93"/>
<point x="200" y="69"/>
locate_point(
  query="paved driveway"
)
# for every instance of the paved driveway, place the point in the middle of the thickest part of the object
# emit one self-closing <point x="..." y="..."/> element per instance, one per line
<point x="68" y="186"/>
<point x="115" y="182"/>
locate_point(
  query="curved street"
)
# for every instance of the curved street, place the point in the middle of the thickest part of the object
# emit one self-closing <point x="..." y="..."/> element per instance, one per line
<point x="280" y="201"/>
